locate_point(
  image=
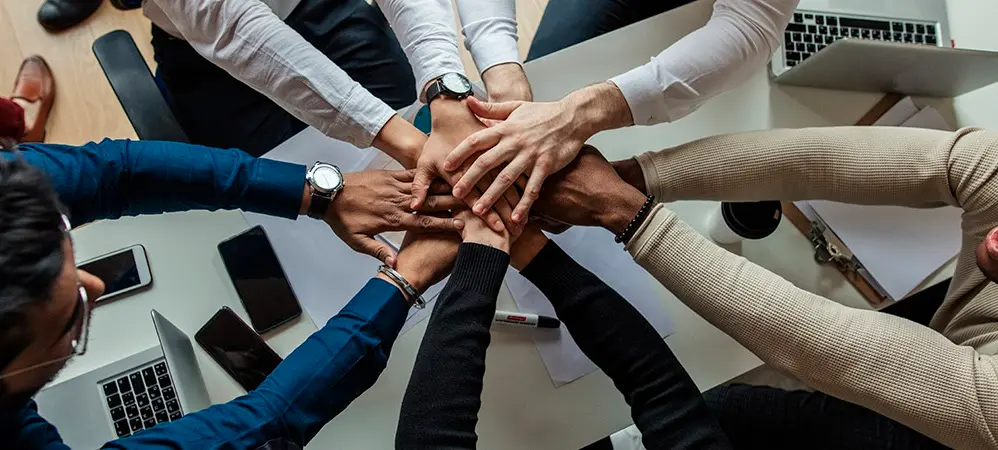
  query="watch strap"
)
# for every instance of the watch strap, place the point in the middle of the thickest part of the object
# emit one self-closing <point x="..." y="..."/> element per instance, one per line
<point x="318" y="204"/>
<point x="434" y="90"/>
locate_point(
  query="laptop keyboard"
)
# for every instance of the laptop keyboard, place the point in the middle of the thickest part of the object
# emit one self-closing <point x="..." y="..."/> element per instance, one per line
<point x="141" y="399"/>
<point x="810" y="32"/>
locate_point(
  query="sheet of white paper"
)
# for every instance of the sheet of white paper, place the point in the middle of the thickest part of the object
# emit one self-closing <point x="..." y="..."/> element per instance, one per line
<point x="595" y="250"/>
<point x="899" y="247"/>
<point x="324" y="272"/>
<point x="898" y="114"/>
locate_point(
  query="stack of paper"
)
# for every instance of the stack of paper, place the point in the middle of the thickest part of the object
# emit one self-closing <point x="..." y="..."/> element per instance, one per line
<point x="881" y="237"/>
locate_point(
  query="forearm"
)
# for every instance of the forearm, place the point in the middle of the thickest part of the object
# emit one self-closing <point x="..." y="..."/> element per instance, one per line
<point x="110" y="179"/>
<point x="310" y="387"/>
<point x="737" y="41"/>
<point x="441" y="403"/>
<point x="246" y="39"/>
<point x="425" y="29"/>
<point x="864" y="165"/>
<point x="665" y="402"/>
<point x="875" y="360"/>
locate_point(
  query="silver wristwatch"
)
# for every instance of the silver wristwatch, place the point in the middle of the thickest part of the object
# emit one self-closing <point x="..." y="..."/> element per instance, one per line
<point x="325" y="181"/>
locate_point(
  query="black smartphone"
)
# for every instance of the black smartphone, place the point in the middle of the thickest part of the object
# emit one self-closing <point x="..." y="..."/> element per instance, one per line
<point x="237" y="348"/>
<point x="259" y="279"/>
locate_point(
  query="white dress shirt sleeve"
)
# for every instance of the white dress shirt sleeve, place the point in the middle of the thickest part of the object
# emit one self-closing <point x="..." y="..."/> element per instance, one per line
<point x="489" y="28"/>
<point x="740" y="37"/>
<point x="425" y="29"/>
<point x="246" y="39"/>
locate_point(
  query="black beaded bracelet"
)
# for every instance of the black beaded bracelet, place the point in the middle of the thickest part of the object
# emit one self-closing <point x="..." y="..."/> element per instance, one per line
<point x="625" y="236"/>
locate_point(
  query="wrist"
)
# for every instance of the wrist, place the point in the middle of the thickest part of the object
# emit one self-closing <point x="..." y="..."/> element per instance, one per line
<point x="526" y="249"/>
<point x="622" y="209"/>
<point x="507" y="82"/>
<point x="630" y="171"/>
<point x="445" y="111"/>
<point x="401" y="140"/>
<point x="490" y="240"/>
<point x="599" y="107"/>
<point x="414" y="275"/>
<point x="306" y="200"/>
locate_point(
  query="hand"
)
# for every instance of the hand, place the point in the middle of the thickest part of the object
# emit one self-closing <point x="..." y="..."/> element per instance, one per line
<point x="474" y="229"/>
<point x="376" y="201"/>
<point x="588" y="192"/>
<point x="426" y="258"/>
<point x="401" y="140"/>
<point x="630" y="171"/>
<point x="452" y="122"/>
<point x="535" y="139"/>
<point x="507" y="82"/>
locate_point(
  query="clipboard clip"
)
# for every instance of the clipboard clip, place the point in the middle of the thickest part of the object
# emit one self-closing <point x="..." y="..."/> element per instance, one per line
<point x="828" y="249"/>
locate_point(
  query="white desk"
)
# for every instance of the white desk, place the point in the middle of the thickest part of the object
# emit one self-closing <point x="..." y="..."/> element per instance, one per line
<point x="521" y="409"/>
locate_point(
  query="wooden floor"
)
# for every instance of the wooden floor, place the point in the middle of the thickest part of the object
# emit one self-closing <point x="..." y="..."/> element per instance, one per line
<point x="85" y="107"/>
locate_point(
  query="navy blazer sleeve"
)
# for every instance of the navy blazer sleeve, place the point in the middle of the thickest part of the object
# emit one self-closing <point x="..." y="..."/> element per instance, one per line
<point x="115" y="178"/>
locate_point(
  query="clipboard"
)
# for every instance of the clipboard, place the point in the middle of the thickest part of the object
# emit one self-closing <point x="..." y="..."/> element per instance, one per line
<point x="828" y="249"/>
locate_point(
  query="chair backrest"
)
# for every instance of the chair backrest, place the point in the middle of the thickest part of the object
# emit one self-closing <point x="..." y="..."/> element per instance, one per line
<point x="136" y="89"/>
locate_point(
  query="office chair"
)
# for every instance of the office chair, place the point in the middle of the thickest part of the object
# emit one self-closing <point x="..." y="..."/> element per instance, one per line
<point x="136" y="88"/>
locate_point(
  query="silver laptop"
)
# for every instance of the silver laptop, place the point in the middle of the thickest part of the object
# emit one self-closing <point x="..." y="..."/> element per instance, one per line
<point x="898" y="46"/>
<point x="157" y="385"/>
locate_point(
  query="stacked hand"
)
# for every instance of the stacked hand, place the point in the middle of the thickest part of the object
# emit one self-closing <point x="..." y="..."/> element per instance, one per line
<point x="377" y="201"/>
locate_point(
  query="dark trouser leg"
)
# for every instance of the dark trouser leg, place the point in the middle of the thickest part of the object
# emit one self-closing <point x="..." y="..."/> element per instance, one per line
<point x="765" y="417"/>
<point x="218" y="110"/>
<point x="569" y="22"/>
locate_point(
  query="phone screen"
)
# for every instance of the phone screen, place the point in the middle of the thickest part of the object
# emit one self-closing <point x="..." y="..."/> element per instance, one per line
<point x="117" y="271"/>
<point x="259" y="279"/>
<point x="237" y="348"/>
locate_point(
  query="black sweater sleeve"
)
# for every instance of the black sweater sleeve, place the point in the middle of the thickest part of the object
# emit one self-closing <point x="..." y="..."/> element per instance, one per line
<point x="440" y="407"/>
<point x="665" y="403"/>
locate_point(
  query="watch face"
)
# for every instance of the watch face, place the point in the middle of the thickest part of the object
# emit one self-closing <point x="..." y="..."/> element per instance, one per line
<point x="456" y="83"/>
<point x="327" y="178"/>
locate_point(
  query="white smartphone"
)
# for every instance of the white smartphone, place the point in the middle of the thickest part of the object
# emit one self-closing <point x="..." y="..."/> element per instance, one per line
<point x="123" y="271"/>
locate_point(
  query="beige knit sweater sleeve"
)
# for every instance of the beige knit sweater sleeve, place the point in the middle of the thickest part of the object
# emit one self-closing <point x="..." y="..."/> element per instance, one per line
<point x="903" y="370"/>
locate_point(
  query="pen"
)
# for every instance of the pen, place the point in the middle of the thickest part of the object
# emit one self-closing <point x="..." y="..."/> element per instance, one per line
<point x="525" y="320"/>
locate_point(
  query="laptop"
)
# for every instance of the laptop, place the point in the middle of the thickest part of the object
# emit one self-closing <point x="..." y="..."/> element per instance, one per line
<point x="879" y="46"/>
<point x="157" y="385"/>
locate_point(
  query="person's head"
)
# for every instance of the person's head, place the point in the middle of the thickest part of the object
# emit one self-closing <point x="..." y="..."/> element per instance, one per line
<point x="42" y="317"/>
<point x="987" y="255"/>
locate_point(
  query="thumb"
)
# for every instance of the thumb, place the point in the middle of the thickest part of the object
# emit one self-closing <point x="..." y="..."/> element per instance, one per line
<point x="420" y="186"/>
<point x="378" y="249"/>
<point x="494" y="111"/>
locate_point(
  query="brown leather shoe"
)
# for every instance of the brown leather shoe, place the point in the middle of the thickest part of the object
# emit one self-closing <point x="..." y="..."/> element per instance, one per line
<point x="34" y="90"/>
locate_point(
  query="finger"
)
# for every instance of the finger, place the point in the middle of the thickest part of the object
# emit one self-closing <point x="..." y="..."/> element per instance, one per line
<point x="502" y="208"/>
<point x="420" y="186"/>
<point x="483" y="165"/>
<point x="404" y="176"/>
<point x="491" y="218"/>
<point x="371" y="246"/>
<point x="425" y="223"/>
<point x="531" y="192"/>
<point x="475" y="142"/>
<point x="503" y="182"/>
<point x="437" y="203"/>
<point x="489" y="110"/>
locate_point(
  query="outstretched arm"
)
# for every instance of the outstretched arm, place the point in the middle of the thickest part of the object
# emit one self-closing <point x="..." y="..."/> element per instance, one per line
<point x="665" y="402"/>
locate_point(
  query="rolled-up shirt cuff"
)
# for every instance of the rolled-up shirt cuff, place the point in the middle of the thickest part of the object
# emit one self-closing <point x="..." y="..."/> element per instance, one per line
<point x="492" y="50"/>
<point x="361" y="118"/>
<point x="275" y="188"/>
<point x="643" y="91"/>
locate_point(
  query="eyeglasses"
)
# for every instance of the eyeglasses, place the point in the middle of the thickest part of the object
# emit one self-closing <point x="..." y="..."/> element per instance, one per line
<point x="77" y="331"/>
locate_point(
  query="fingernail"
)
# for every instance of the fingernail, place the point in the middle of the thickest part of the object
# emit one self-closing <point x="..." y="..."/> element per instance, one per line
<point x="459" y="224"/>
<point x="413" y="203"/>
<point x="390" y="262"/>
<point x="458" y="191"/>
<point x="479" y="208"/>
<point x="448" y="165"/>
<point x="516" y="217"/>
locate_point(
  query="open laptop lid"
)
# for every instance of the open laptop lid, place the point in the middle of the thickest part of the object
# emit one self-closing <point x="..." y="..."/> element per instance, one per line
<point x="861" y="65"/>
<point x="182" y="364"/>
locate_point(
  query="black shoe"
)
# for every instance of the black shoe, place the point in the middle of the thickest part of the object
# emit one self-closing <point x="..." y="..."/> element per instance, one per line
<point x="57" y="15"/>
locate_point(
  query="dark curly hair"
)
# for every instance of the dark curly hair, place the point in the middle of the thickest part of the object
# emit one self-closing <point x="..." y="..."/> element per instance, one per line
<point x="31" y="254"/>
